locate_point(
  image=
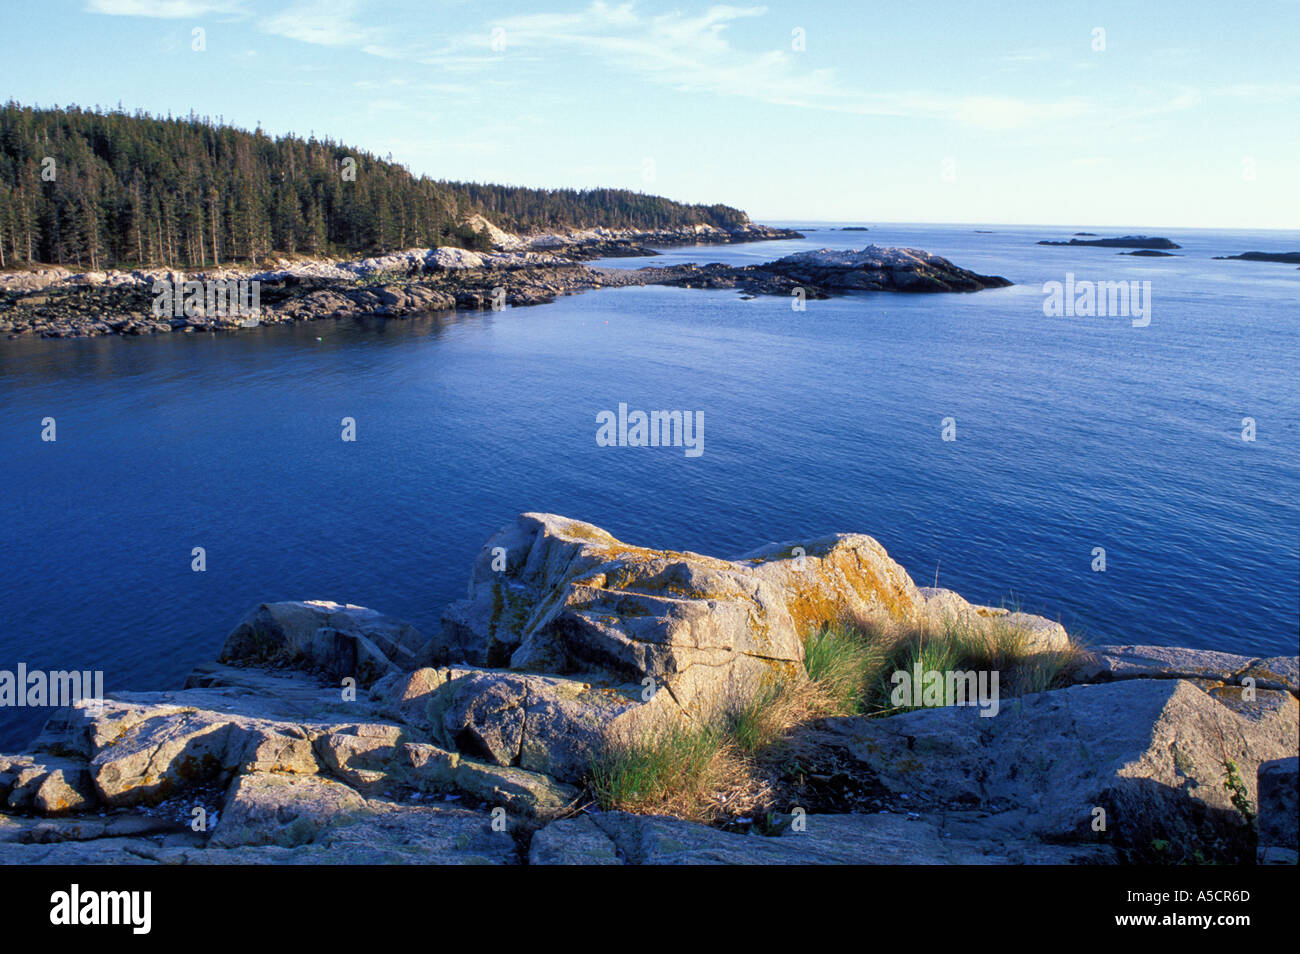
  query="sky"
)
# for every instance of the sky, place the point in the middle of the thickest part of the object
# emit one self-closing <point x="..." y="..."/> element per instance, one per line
<point x="1145" y="114"/>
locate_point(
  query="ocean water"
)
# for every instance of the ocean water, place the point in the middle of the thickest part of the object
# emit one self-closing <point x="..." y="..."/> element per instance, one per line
<point x="1071" y="434"/>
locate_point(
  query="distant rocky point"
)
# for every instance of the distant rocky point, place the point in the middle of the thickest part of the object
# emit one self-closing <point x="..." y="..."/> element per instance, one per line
<point x="524" y="270"/>
<point x="1126" y="241"/>
<point x="1150" y="253"/>
<point x="1288" y="258"/>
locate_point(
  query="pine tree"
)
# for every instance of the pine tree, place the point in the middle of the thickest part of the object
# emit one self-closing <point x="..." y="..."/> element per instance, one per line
<point x="132" y="189"/>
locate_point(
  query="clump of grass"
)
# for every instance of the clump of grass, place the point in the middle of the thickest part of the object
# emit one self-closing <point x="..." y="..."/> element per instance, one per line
<point x="677" y="771"/>
<point x="698" y="771"/>
<point x="701" y="771"/>
<point x="760" y="722"/>
<point x="842" y="662"/>
<point x="993" y="645"/>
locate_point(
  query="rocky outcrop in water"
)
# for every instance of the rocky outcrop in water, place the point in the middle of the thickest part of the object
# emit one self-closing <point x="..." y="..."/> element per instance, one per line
<point x="331" y="733"/>
<point x="825" y="272"/>
<point x="1125" y="241"/>
<point x="1287" y="258"/>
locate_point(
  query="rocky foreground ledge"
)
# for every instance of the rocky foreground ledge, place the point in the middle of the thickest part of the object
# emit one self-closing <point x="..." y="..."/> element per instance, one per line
<point x="55" y="303"/>
<point x="473" y="746"/>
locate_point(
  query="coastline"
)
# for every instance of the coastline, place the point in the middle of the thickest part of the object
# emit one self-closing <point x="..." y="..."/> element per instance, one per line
<point x="521" y="271"/>
<point x="330" y="733"/>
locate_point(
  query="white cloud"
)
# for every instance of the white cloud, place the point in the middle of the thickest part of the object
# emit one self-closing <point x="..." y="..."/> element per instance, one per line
<point x="167" y="9"/>
<point x="691" y="53"/>
<point x="324" y="23"/>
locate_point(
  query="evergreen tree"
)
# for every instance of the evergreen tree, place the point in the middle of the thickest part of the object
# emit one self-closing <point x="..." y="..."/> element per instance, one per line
<point x="133" y="189"/>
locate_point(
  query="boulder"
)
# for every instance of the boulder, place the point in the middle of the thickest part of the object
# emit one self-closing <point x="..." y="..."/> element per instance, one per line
<point x="548" y="594"/>
<point x="50" y="786"/>
<point x="557" y="595"/>
<point x="380" y="760"/>
<point x="272" y="818"/>
<point x="168" y="748"/>
<point x="142" y="750"/>
<point x="573" y="841"/>
<point x="1152" y="754"/>
<point x="1112" y="662"/>
<point x="428" y="768"/>
<point x="340" y="640"/>
<point x="484" y="715"/>
<point x="572" y="599"/>
<point x="263" y="808"/>
<point x="362" y="755"/>
<point x="549" y="724"/>
<point x="843" y="576"/>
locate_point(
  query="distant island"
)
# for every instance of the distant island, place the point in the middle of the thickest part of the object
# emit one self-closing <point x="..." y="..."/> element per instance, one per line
<point x="1126" y="241"/>
<point x="1150" y="253"/>
<point x="1287" y="258"/>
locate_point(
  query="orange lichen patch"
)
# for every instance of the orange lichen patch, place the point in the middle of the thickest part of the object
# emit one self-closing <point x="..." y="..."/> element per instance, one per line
<point x="587" y="532"/>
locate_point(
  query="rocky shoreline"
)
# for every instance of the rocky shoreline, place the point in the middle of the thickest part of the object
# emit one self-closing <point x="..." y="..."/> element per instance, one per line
<point x="328" y="733"/>
<point x="56" y="303"/>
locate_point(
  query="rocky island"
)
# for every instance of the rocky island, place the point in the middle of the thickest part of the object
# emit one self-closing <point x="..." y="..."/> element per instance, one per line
<point x="1286" y="258"/>
<point x="330" y="733"/>
<point x="1126" y="241"/>
<point x="521" y="270"/>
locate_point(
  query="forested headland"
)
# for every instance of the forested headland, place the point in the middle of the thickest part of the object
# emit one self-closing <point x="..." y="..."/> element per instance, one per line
<point x="110" y="189"/>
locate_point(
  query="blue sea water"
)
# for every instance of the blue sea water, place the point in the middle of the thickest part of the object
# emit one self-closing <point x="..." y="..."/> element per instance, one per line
<point x="1072" y="433"/>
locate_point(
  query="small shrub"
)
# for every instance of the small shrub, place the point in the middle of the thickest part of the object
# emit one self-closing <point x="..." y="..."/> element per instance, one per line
<point x="1236" y="789"/>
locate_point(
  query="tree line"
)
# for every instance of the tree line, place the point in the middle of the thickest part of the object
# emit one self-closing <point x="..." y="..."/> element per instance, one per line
<point x="110" y="189"/>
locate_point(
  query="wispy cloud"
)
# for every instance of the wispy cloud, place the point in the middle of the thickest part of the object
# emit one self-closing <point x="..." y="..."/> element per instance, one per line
<point x="168" y="9"/>
<point x="324" y="23"/>
<point x="694" y="54"/>
<point x="687" y="52"/>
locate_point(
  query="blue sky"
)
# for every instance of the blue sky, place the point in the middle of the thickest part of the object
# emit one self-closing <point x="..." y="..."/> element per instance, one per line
<point x="892" y="111"/>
